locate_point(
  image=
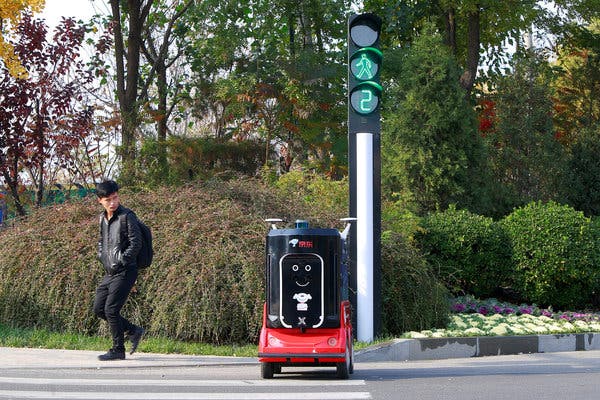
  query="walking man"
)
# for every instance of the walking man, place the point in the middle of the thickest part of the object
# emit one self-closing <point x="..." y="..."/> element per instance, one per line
<point x="118" y="247"/>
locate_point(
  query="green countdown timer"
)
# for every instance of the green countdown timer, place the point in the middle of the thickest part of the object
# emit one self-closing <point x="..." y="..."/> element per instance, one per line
<point x="365" y="99"/>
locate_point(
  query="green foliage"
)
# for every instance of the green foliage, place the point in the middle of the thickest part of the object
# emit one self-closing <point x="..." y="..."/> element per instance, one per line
<point x="581" y="188"/>
<point x="576" y="89"/>
<point x="526" y="160"/>
<point x="431" y="154"/>
<point x="329" y="195"/>
<point x="206" y="281"/>
<point x="396" y="217"/>
<point x="191" y="158"/>
<point x="282" y="65"/>
<point x="556" y="254"/>
<point x="469" y="252"/>
<point x="501" y="22"/>
<point x="413" y="298"/>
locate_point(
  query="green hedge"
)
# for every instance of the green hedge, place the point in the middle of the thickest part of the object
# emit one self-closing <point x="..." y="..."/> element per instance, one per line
<point x="314" y="189"/>
<point x="206" y="282"/>
<point x="189" y="159"/>
<point x="470" y="253"/>
<point x="556" y="252"/>
<point x="413" y="298"/>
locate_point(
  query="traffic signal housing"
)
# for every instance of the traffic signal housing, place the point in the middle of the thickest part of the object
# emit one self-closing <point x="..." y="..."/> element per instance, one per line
<point x="364" y="66"/>
<point x="364" y="172"/>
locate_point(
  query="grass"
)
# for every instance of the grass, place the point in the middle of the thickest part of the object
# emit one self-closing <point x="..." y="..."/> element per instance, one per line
<point x="41" y="338"/>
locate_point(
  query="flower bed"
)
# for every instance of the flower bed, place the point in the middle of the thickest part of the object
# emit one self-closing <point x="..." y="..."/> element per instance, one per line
<point x="472" y="317"/>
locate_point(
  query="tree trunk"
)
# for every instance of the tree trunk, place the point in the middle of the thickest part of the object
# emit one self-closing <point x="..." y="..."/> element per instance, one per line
<point x="451" y="29"/>
<point x="14" y="192"/>
<point x="39" y="195"/>
<point x="39" y="140"/>
<point x="163" y="115"/>
<point x="473" y="43"/>
<point x="128" y="76"/>
<point x="158" y="56"/>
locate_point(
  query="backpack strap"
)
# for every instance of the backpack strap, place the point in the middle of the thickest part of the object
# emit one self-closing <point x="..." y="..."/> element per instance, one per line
<point x="123" y="223"/>
<point x="124" y="230"/>
<point x="100" y="221"/>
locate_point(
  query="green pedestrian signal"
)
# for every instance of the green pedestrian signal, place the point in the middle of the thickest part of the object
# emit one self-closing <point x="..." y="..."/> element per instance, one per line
<point x="364" y="65"/>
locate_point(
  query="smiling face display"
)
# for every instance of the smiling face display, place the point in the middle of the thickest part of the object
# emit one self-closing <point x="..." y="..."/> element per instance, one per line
<point x="301" y="278"/>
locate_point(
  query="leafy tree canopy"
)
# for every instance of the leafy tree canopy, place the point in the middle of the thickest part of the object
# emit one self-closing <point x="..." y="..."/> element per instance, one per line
<point x="432" y="154"/>
<point x="41" y="116"/>
<point x="10" y="15"/>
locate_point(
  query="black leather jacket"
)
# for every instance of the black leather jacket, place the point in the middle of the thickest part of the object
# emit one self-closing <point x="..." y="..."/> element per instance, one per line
<point x="118" y="248"/>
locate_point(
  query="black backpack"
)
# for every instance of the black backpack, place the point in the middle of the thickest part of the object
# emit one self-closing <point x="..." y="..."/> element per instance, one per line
<point x="144" y="258"/>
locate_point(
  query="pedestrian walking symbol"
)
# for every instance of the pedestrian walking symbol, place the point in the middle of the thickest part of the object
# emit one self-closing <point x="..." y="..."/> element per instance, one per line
<point x="364" y="68"/>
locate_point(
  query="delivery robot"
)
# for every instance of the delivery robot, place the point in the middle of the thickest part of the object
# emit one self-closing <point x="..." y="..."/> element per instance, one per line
<point x="307" y="317"/>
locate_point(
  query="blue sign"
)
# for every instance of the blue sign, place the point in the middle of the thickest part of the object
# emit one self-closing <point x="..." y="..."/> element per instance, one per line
<point x="2" y="207"/>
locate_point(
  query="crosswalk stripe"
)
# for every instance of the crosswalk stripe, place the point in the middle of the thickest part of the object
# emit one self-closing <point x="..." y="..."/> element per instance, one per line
<point x="14" y="395"/>
<point x="179" y="382"/>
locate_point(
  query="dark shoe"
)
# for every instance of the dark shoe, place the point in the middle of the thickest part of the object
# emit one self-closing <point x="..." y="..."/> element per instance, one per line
<point x="135" y="338"/>
<point x="112" y="355"/>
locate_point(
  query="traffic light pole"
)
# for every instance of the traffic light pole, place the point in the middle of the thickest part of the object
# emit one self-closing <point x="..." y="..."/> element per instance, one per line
<point x="368" y="252"/>
<point x="364" y="158"/>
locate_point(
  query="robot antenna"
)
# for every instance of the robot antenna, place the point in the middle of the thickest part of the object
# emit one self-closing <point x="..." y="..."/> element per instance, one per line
<point x="272" y="221"/>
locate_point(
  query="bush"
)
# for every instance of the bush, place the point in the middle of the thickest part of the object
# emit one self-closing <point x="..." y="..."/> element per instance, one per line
<point x="189" y="159"/>
<point x="397" y="217"/>
<point x="327" y="194"/>
<point x="470" y="253"/>
<point x="413" y="298"/>
<point x="206" y="281"/>
<point x="555" y="251"/>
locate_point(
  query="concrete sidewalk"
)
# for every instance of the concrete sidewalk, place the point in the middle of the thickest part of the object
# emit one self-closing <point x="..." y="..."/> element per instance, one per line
<point x="395" y="350"/>
<point x="27" y="358"/>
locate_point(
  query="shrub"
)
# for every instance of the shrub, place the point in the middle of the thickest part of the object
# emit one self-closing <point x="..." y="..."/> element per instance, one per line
<point x="206" y="281"/>
<point x="397" y="217"/>
<point x="189" y="159"/>
<point x="470" y="253"/>
<point x="327" y="194"/>
<point x="413" y="298"/>
<point x="555" y="254"/>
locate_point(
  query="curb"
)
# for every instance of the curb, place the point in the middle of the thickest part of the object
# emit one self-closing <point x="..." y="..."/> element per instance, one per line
<point x="443" y="348"/>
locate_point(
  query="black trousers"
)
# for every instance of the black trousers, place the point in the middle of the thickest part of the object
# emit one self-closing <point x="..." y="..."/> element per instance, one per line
<point x="111" y="295"/>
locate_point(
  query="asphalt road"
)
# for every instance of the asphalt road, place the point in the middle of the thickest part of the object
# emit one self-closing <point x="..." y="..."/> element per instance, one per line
<point x="565" y="375"/>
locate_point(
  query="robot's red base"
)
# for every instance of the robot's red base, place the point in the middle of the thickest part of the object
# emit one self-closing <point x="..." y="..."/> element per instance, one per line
<point x="311" y="347"/>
